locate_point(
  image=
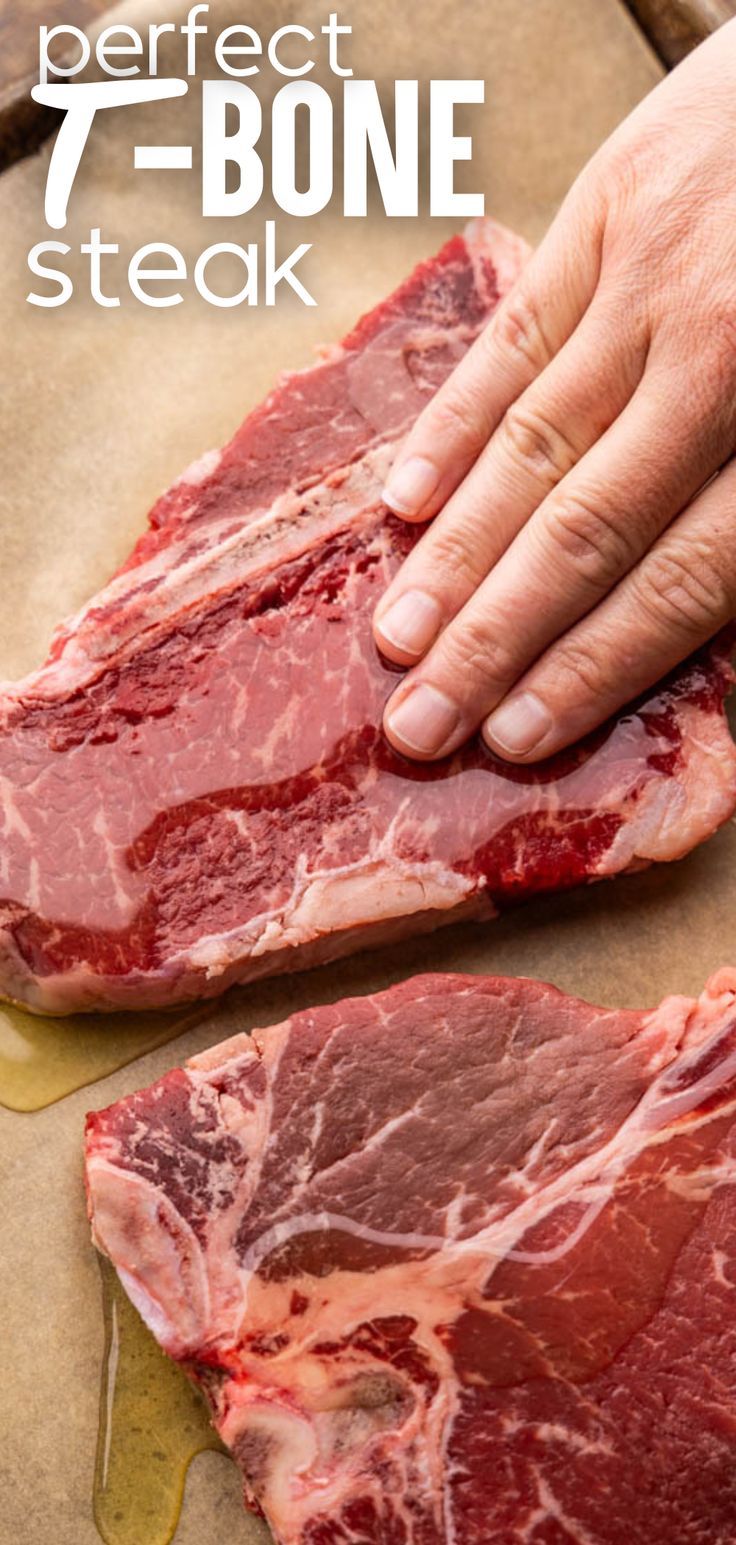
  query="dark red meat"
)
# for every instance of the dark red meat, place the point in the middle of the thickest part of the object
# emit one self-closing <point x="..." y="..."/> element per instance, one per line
<point x="195" y="789"/>
<point x="454" y="1264"/>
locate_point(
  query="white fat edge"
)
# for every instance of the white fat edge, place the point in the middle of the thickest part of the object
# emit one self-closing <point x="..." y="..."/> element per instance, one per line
<point x="675" y="812"/>
<point x="35" y="995"/>
<point x="227" y="1056"/>
<point x="379" y="889"/>
<point x="217" y="1286"/>
<point x="82" y="989"/>
<point x="719" y="991"/>
<point x="664" y="1029"/>
<point x="199" y="470"/>
<point x="76" y="991"/>
<point x="687" y="1022"/>
<point x="278" y="534"/>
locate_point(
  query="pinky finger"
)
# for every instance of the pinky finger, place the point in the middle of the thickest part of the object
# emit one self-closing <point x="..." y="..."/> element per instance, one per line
<point x="677" y="598"/>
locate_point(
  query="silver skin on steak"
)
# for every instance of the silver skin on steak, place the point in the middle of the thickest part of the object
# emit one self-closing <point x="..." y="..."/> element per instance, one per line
<point x="454" y="1264"/>
<point x="195" y="789"/>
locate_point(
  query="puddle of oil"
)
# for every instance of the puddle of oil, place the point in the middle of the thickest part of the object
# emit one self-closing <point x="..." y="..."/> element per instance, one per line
<point x="43" y="1059"/>
<point x="152" y="1423"/>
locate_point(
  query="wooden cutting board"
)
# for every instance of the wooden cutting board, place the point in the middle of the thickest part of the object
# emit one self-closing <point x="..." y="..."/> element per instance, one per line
<point x="676" y="26"/>
<point x="23" y="124"/>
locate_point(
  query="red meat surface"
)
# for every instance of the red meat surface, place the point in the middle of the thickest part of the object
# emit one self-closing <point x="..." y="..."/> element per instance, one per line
<point x="195" y="789"/>
<point x="453" y="1264"/>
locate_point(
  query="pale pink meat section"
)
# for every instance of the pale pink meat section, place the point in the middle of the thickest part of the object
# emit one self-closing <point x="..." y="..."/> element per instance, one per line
<point x="454" y="1264"/>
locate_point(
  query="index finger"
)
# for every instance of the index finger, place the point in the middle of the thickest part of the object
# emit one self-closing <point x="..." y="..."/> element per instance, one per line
<point x="529" y="327"/>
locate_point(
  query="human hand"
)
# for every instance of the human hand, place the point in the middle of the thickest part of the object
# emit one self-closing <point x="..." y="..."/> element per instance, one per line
<point x="575" y="555"/>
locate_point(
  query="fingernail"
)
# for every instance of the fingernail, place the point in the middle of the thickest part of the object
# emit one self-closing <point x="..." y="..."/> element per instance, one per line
<point x="411" y="485"/>
<point x="519" y="724"/>
<point x="424" y="719"/>
<point x="411" y="623"/>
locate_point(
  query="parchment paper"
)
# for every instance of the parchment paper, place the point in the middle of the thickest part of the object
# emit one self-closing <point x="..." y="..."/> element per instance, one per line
<point x="100" y="410"/>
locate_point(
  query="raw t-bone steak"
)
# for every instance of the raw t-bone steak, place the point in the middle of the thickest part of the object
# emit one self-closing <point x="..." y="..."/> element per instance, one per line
<point x="454" y="1264"/>
<point x="195" y="787"/>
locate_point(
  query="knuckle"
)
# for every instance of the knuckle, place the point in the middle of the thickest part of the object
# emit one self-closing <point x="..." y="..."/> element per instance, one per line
<point x="597" y="544"/>
<point x="518" y="331"/>
<point x="684" y="589"/>
<point x="536" y="445"/>
<point x="454" y="553"/>
<point x="472" y="654"/>
<point x="715" y="379"/>
<point x="579" y="665"/>
<point x="461" y="414"/>
<point x="631" y="164"/>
